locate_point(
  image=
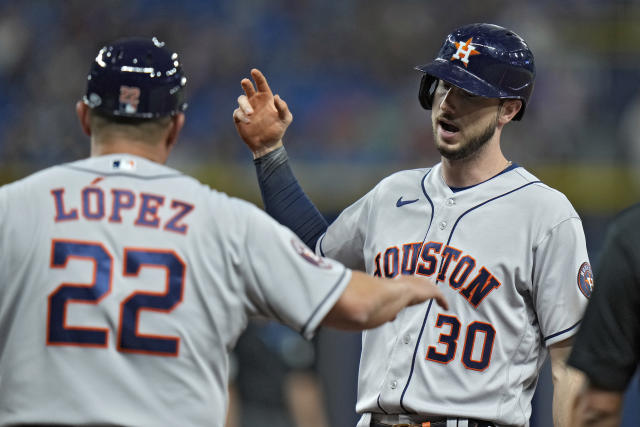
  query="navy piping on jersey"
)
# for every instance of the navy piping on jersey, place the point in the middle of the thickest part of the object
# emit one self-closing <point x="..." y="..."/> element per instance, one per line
<point x="505" y="170"/>
<point x="333" y="289"/>
<point x="380" y="406"/>
<point x="413" y="360"/>
<point x="485" y="202"/>
<point x="562" y="332"/>
<point x="424" y="190"/>
<point x="320" y="244"/>
<point x="128" y="175"/>
<point x="424" y="322"/>
<point x="431" y="302"/>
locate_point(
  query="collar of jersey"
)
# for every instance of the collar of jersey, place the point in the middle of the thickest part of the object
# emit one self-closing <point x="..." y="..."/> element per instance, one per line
<point x="505" y="170"/>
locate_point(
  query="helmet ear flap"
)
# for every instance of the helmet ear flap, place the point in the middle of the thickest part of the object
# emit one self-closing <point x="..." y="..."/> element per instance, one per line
<point x="428" y="86"/>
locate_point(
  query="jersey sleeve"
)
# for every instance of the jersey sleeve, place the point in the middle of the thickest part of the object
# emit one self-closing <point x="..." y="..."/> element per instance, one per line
<point x="607" y="347"/>
<point x="562" y="280"/>
<point x="285" y="200"/>
<point x="286" y="280"/>
<point x="344" y="239"/>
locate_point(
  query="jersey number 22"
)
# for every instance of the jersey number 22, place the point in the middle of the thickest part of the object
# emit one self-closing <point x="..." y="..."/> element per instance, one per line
<point x="129" y="339"/>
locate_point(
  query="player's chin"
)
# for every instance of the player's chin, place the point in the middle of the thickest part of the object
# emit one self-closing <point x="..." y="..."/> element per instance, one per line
<point x="448" y="154"/>
<point x="448" y="139"/>
<point x="451" y="151"/>
<point x="447" y="145"/>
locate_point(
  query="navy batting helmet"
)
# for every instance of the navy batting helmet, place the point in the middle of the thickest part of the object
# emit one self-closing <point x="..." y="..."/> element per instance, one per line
<point x="136" y="78"/>
<point x="485" y="60"/>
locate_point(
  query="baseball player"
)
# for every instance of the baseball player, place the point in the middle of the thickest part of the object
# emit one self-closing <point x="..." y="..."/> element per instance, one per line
<point x="507" y="250"/>
<point x="124" y="283"/>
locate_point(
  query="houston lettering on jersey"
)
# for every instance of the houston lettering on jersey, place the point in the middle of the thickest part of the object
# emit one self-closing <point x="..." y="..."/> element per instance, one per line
<point x="456" y="268"/>
<point x="96" y="206"/>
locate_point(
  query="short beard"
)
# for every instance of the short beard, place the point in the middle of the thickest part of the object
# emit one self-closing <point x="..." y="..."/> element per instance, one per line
<point x="472" y="147"/>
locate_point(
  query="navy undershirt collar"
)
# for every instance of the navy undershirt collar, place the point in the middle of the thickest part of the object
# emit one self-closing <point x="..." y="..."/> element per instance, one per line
<point x="507" y="169"/>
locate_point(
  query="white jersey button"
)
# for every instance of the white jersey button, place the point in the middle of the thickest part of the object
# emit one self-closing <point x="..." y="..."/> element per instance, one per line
<point x="406" y="339"/>
<point x="394" y="384"/>
<point x="451" y="202"/>
<point x="443" y="225"/>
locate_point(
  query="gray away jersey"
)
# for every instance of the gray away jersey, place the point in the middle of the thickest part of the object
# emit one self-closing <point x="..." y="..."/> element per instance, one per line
<point x="124" y="284"/>
<point x="509" y="255"/>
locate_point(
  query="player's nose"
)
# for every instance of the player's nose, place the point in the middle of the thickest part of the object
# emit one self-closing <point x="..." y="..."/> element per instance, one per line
<point x="447" y="103"/>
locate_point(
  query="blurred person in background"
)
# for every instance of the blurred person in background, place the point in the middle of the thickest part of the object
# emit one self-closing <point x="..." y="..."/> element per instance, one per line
<point x="508" y="250"/>
<point x="276" y="379"/>
<point x="607" y="347"/>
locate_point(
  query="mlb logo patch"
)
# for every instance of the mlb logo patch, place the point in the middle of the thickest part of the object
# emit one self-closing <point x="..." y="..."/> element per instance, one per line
<point x="124" y="164"/>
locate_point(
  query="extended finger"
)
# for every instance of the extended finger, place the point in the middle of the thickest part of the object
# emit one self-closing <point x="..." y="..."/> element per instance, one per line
<point x="261" y="81"/>
<point x="283" y="108"/>
<point x="238" y="116"/>
<point x="248" y="87"/>
<point x="244" y="104"/>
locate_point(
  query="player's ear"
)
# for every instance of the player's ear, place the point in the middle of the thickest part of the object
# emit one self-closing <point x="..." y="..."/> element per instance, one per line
<point x="508" y="110"/>
<point x="177" y="122"/>
<point x="83" y="111"/>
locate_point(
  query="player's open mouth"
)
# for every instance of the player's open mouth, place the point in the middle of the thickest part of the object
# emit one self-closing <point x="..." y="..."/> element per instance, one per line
<point x="448" y="127"/>
<point x="447" y="131"/>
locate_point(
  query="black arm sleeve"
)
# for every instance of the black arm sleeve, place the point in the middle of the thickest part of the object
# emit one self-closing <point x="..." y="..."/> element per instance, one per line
<point x="607" y="347"/>
<point x="285" y="200"/>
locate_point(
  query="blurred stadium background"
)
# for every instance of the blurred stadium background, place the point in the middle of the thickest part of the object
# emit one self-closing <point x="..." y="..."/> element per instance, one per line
<point x="346" y="70"/>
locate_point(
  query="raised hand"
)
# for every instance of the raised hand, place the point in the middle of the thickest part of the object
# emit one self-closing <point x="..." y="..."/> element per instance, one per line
<point x="261" y="118"/>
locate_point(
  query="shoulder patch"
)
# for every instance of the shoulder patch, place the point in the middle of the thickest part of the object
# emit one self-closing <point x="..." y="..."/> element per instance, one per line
<point x="309" y="255"/>
<point x="585" y="279"/>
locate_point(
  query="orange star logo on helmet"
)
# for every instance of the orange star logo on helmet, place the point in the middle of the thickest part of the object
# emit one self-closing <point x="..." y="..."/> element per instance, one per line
<point x="465" y="50"/>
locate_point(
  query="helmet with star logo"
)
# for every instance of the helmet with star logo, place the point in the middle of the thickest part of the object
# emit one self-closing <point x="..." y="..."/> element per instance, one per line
<point x="485" y="60"/>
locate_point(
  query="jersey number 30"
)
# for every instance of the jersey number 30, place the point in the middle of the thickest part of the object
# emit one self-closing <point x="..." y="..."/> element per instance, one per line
<point x="129" y="339"/>
<point x="450" y="340"/>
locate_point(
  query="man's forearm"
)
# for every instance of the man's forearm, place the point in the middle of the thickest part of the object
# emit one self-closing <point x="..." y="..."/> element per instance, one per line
<point x="567" y="383"/>
<point x="565" y="392"/>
